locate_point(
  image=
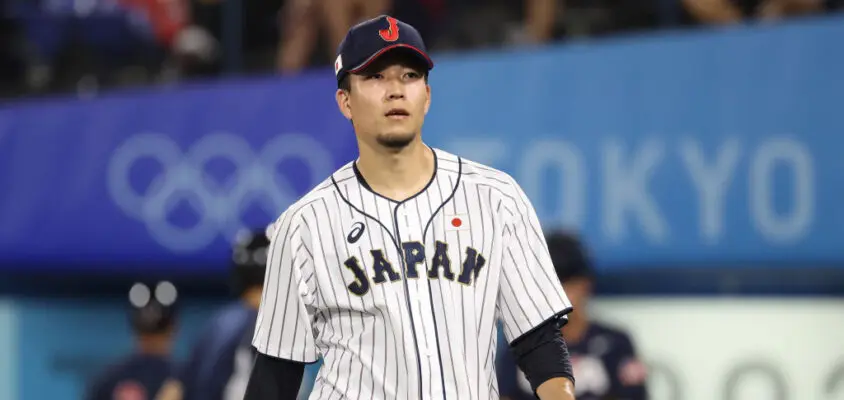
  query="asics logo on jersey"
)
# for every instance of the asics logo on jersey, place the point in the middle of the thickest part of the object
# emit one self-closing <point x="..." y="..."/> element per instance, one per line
<point x="355" y="233"/>
<point x="215" y="182"/>
<point x="383" y="269"/>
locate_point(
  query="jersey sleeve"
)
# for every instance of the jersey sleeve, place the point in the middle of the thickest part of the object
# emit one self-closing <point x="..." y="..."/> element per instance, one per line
<point x="284" y="328"/>
<point x="530" y="292"/>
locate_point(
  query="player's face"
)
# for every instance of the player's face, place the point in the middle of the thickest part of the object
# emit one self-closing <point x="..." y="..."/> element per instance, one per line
<point x="388" y="101"/>
<point x="578" y="291"/>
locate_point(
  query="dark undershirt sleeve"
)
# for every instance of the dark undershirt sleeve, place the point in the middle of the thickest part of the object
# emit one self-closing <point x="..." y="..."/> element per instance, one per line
<point x="274" y="379"/>
<point x="542" y="354"/>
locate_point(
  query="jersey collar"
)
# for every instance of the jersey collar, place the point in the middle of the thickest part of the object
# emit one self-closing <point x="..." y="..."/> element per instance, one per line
<point x="362" y="181"/>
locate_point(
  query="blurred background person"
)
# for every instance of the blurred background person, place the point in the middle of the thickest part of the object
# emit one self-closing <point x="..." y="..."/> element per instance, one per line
<point x="73" y="46"/>
<point x="141" y="375"/>
<point x="305" y="22"/>
<point x="719" y="12"/>
<point x="222" y="358"/>
<point x="63" y="46"/>
<point x="603" y="357"/>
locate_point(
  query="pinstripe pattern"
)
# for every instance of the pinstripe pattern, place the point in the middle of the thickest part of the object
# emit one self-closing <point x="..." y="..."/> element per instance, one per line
<point x="422" y="337"/>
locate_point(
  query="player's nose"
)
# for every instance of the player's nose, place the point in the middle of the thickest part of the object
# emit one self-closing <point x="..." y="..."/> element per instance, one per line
<point x="395" y="95"/>
<point x="395" y="91"/>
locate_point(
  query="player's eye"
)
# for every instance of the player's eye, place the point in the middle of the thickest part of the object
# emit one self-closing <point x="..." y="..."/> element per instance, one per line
<point x="413" y="75"/>
<point x="373" y="76"/>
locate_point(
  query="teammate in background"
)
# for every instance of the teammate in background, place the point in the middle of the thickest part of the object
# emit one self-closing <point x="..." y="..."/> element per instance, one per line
<point x="605" y="363"/>
<point x="221" y="360"/>
<point x="141" y="375"/>
<point x="395" y="269"/>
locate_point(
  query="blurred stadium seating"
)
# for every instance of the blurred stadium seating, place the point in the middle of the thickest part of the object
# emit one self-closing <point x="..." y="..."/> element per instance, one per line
<point x="701" y="166"/>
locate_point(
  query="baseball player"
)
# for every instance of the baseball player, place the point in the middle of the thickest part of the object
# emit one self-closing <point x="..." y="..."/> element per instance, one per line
<point x="397" y="267"/>
<point x="142" y="374"/>
<point x="603" y="357"/>
<point x="219" y="364"/>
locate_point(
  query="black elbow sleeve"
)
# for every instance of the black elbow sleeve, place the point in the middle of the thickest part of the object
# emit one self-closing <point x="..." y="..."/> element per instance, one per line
<point x="542" y="354"/>
<point x="274" y="379"/>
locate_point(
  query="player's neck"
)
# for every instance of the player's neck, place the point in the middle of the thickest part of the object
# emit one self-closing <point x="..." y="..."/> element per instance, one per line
<point x="155" y="345"/>
<point x="252" y="297"/>
<point x="397" y="174"/>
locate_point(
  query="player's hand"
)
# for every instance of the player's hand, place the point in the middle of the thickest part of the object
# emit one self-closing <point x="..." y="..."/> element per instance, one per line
<point x="556" y="389"/>
<point x="170" y="390"/>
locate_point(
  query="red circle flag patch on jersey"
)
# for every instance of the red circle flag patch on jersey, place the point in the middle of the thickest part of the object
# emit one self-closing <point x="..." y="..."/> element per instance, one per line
<point x="456" y="222"/>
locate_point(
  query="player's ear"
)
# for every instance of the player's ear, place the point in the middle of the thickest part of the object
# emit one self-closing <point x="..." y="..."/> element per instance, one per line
<point x="428" y="98"/>
<point x="343" y="103"/>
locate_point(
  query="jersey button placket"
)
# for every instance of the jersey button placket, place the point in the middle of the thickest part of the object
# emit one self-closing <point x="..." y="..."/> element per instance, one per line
<point x="413" y="290"/>
<point x="421" y="290"/>
<point x="402" y="234"/>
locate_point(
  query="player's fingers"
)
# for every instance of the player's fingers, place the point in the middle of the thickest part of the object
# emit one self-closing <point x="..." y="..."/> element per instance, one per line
<point x="171" y="390"/>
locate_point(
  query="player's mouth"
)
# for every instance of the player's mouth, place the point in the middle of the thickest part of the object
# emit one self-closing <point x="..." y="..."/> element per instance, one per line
<point x="397" y="113"/>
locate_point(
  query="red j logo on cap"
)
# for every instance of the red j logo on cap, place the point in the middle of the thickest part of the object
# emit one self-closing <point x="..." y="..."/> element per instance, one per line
<point x="390" y="34"/>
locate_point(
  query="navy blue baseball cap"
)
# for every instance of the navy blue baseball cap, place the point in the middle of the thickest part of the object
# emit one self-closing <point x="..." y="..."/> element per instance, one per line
<point x="370" y="39"/>
<point x="153" y="310"/>
<point x="249" y="259"/>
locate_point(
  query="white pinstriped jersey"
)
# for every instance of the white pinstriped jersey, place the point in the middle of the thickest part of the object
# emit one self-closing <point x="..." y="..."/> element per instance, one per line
<point x="401" y="299"/>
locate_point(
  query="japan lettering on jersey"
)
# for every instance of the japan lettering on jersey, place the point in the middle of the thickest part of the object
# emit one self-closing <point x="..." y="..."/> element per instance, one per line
<point x="401" y="299"/>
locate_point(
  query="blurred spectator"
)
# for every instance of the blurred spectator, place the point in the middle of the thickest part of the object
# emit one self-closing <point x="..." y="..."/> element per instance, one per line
<point x="222" y="358"/>
<point x="540" y="16"/>
<point x="302" y="20"/>
<point x="195" y="52"/>
<point x="141" y="375"/>
<point x="733" y="11"/>
<point x="490" y="23"/>
<point x="166" y="18"/>
<point x="242" y="35"/>
<point x="12" y="57"/>
<point x="497" y="23"/>
<point x="603" y="358"/>
<point x="427" y="16"/>
<point x="82" y="46"/>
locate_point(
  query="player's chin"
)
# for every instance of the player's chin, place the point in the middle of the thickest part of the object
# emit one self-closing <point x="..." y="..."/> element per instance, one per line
<point x="396" y="140"/>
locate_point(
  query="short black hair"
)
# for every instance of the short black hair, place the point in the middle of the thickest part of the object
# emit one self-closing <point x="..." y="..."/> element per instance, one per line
<point x="345" y="84"/>
<point x="153" y="309"/>
<point x="154" y="318"/>
<point x="569" y="256"/>
<point x="249" y="260"/>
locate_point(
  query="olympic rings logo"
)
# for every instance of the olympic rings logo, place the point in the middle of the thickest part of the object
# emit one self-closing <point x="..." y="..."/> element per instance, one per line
<point x="218" y="203"/>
